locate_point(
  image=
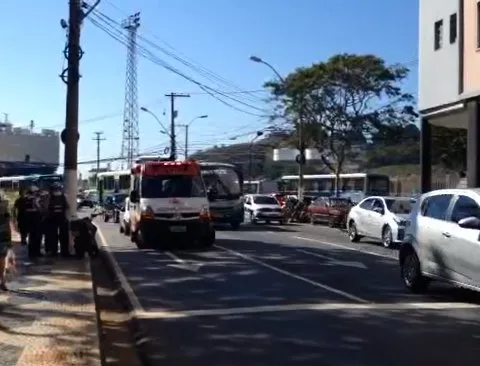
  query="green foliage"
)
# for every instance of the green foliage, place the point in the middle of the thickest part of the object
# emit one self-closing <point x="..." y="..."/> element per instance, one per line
<point x="342" y="102"/>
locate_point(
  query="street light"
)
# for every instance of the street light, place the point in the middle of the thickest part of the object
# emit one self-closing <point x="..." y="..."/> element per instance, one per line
<point x="250" y="160"/>
<point x="146" y="110"/>
<point x="186" y="131"/>
<point x="301" y="148"/>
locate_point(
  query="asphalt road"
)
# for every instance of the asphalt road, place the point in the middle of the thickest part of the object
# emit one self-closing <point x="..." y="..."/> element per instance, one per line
<point x="293" y="295"/>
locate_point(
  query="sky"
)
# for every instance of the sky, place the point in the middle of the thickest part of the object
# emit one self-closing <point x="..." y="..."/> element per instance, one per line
<point x="216" y="37"/>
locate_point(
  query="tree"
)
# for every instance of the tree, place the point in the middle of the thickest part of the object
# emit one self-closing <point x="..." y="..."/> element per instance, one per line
<point x="342" y="102"/>
<point x="449" y="147"/>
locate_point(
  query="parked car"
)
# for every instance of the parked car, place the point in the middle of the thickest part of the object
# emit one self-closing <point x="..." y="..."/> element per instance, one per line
<point x="262" y="207"/>
<point x="442" y="240"/>
<point x="125" y="218"/>
<point x="383" y="218"/>
<point x="330" y="210"/>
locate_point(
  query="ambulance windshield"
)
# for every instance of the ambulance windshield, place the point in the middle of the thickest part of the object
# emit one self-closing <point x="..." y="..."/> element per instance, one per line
<point x="166" y="186"/>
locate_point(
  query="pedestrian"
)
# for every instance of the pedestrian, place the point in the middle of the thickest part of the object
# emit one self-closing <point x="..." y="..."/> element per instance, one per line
<point x="57" y="223"/>
<point x="33" y="219"/>
<point x="19" y="215"/>
<point x="6" y="254"/>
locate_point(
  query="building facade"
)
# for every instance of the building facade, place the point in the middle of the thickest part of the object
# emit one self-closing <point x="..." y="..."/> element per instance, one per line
<point x="449" y="77"/>
<point x="24" y="152"/>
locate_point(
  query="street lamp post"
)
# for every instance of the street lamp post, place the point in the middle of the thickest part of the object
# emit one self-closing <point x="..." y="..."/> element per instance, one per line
<point x="301" y="144"/>
<point x="250" y="160"/>
<point x="186" y="126"/>
<point x="164" y="129"/>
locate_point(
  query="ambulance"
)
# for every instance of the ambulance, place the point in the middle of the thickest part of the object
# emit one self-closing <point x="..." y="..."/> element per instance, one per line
<point x="169" y="205"/>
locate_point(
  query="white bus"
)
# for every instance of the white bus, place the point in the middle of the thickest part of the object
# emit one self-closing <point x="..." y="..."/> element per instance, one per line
<point x="361" y="184"/>
<point x="261" y="186"/>
<point x="112" y="182"/>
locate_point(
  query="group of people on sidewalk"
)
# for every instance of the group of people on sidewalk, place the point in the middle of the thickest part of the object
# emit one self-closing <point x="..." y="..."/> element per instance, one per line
<point x="36" y="215"/>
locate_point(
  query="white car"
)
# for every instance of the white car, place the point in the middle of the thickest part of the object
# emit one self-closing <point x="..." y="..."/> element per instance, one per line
<point x="383" y="218"/>
<point x="263" y="207"/>
<point x="442" y="241"/>
<point x="125" y="218"/>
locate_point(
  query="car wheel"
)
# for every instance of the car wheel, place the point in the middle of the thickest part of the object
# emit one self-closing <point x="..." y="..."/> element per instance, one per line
<point x="387" y="238"/>
<point x="353" y="233"/>
<point x="127" y="229"/>
<point x="122" y="230"/>
<point x="411" y="273"/>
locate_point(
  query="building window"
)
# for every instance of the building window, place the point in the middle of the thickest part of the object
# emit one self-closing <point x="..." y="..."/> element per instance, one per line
<point x="438" y="34"/>
<point x="478" y="24"/>
<point x="453" y="28"/>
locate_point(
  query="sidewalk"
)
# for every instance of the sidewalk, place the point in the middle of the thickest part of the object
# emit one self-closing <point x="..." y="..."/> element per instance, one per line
<point x="48" y="317"/>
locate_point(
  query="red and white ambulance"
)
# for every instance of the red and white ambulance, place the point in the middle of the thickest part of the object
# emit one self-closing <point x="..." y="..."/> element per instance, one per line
<point x="169" y="205"/>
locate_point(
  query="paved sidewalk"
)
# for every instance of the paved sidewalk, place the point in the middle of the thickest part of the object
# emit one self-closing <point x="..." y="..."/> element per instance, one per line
<point x="48" y="316"/>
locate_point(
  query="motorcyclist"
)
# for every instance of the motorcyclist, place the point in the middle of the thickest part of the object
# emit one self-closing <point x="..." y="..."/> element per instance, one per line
<point x="56" y="222"/>
<point x="33" y="222"/>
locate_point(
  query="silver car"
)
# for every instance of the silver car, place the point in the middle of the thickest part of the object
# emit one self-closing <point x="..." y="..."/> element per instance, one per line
<point x="442" y="240"/>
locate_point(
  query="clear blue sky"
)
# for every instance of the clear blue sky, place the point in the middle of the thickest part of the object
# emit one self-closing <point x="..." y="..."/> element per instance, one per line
<point x="219" y="35"/>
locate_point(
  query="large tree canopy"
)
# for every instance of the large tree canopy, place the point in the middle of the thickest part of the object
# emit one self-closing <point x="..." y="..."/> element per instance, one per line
<point x="342" y="102"/>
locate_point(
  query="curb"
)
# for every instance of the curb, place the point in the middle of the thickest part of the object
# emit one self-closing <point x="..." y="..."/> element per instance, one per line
<point x="137" y="327"/>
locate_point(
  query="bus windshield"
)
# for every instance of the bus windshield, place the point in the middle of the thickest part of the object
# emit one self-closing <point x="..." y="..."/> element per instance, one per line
<point x="224" y="181"/>
<point x="165" y="186"/>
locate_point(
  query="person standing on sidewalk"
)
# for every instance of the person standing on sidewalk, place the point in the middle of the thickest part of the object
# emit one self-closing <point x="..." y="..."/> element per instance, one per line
<point x="20" y="217"/>
<point x="5" y="241"/>
<point x="33" y="219"/>
<point x="57" y="223"/>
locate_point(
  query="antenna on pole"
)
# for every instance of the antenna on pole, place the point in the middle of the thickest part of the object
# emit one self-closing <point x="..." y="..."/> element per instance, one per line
<point x="130" y="133"/>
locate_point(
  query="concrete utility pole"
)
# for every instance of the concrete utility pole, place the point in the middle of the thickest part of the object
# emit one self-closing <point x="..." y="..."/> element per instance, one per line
<point x="186" y="131"/>
<point x="173" y="114"/>
<point x="98" y="139"/>
<point x="71" y="76"/>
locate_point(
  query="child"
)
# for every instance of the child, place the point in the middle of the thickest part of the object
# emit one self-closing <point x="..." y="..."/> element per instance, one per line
<point x="7" y="258"/>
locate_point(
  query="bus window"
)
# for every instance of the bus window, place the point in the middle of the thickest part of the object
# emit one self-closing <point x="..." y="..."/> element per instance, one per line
<point x="378" y="186"/>
<point x="124" y="182"/>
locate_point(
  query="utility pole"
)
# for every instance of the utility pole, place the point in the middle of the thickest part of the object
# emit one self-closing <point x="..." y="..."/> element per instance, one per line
<point x="98" y="139"/>
<point x="186" y="139"/>
<point x="173" y="114"/>
<point x="71" y="76"/>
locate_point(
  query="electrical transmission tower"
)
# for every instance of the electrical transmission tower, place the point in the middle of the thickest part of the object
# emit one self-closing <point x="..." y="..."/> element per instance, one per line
<point x="130" y="136"/>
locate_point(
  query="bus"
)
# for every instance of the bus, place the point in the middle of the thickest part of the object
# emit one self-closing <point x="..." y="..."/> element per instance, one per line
<point x="16" y="183"/>
<point x="112" y="182"/>
<point x="358" y="184"/>
<point x="227" y="182"/>
<point x="261" y="186"/>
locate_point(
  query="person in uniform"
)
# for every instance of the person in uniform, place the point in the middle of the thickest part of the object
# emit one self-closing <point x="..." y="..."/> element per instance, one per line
<point x="56" y="222"/>
<point x="19" y="215"/>
<point x="5" y="241"/>
<point x="33" y="222"/>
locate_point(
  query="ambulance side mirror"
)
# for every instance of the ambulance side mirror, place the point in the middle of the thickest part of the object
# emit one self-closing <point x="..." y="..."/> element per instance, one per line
<point x="134" y="197"/>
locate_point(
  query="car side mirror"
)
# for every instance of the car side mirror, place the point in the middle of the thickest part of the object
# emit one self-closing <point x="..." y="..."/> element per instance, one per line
<point x="211" y="196"/>
<point x="378" y="210"/>
<point x="471" y="222"/>
<point x="134" y="197"/>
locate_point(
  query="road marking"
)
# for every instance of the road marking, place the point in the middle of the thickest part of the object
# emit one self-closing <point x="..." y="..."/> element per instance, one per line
<point x="345" y="247"/>
<point x="137" y="308"/>
<point x="311" y="307"/>
<point x="183" y="264"/>
<point x="335" y="261"/>
<point x="293" y="275"/>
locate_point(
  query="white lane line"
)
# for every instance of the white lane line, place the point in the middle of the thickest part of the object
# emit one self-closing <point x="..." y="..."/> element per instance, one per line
<point x="354" y="264"/>
<point x="293" y="275"/>
<point x="311" y="307"/>
<point x="137" y="308"/>
<point x="336" y="245"/>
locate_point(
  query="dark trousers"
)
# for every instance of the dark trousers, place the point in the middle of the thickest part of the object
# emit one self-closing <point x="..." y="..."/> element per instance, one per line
<point x="56" y="230"/>
<point x="34" y="233"/>
<point x="22" y="228"/>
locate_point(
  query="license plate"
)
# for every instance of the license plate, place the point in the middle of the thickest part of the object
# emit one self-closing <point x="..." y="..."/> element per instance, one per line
<point x="178" y="229"/>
